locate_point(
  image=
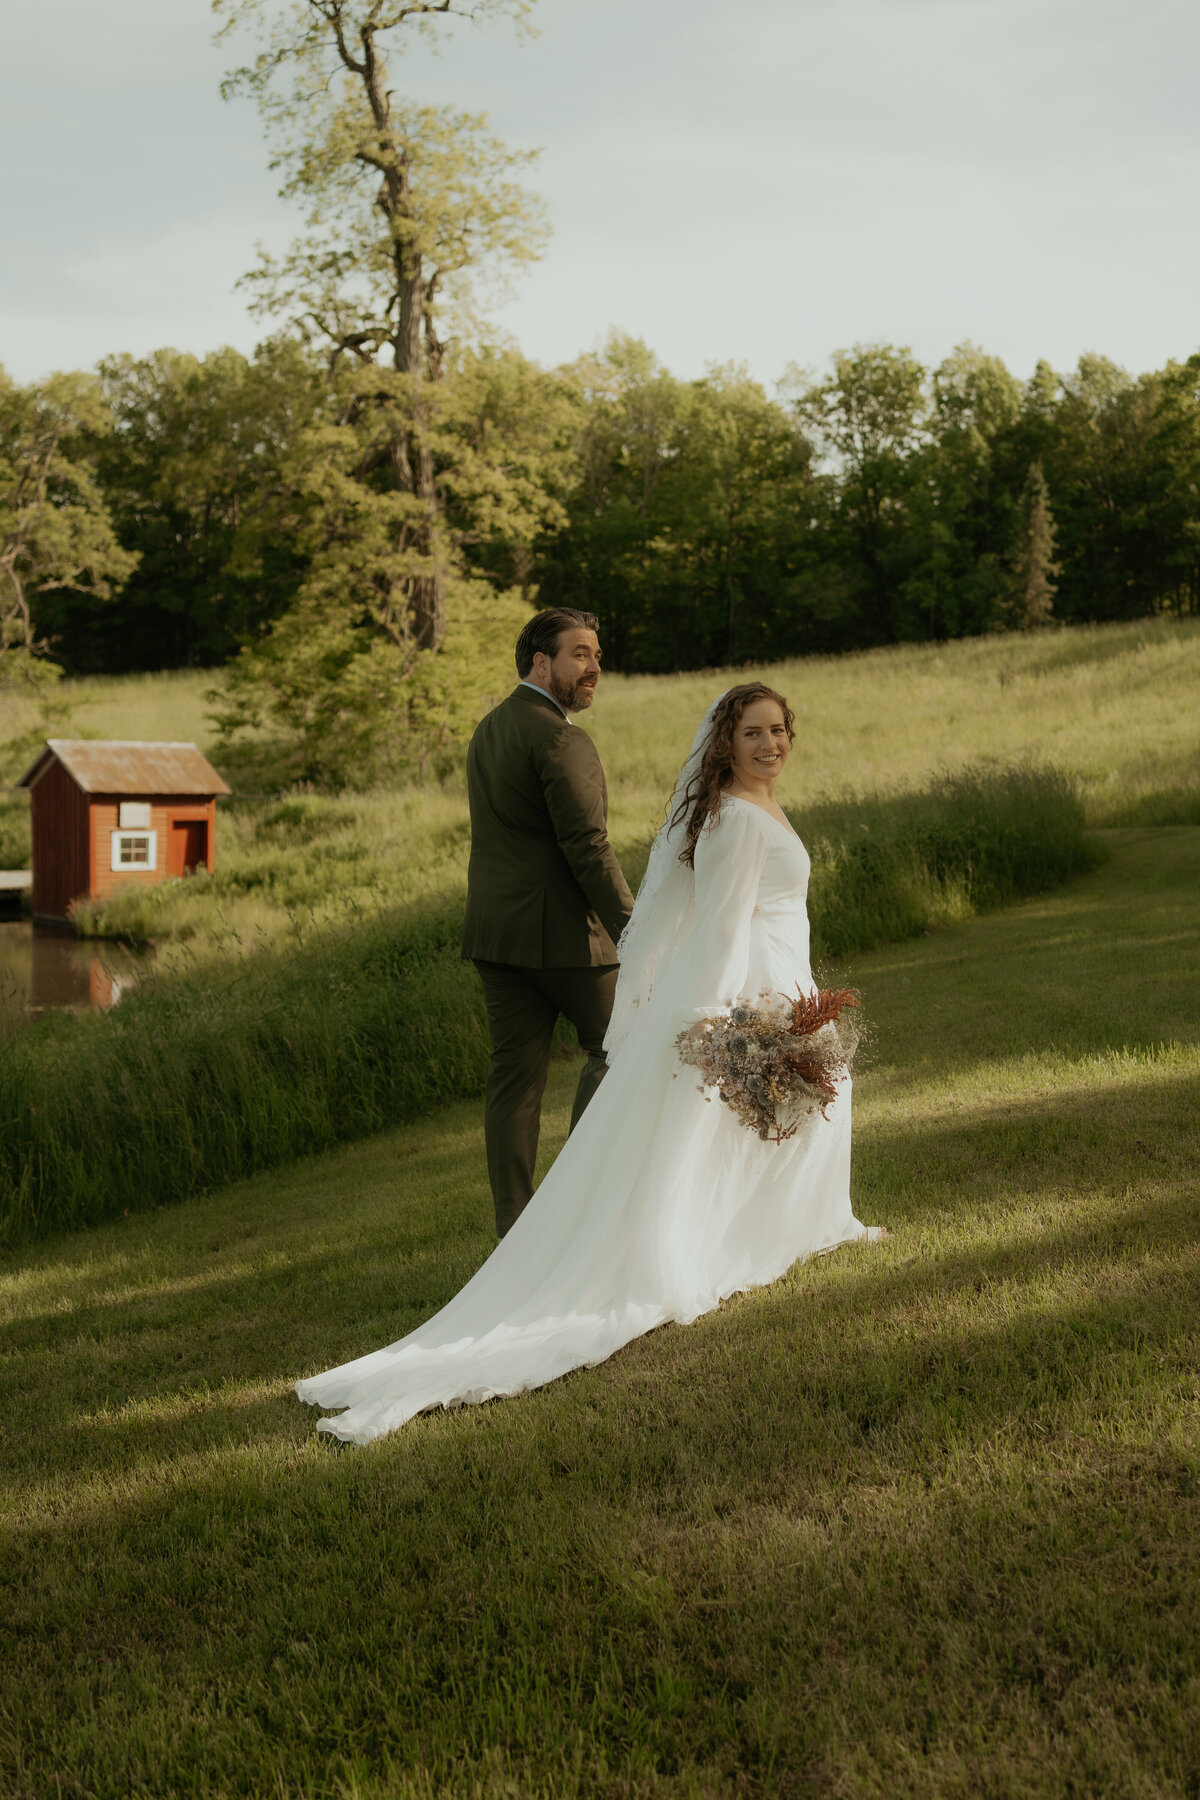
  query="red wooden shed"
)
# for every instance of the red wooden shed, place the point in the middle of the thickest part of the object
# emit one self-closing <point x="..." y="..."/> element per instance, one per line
<point x="104" y="814"/>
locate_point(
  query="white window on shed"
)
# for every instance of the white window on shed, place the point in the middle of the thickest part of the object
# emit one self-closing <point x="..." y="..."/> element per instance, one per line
<point x="133" y="815"/>
<point x="134" y="850"/>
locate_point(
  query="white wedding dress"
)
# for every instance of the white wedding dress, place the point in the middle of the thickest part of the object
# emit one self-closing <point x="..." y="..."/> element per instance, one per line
<point x="660" y="1203"/>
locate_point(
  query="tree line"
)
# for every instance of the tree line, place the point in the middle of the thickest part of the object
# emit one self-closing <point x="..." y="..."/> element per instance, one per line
<point x="351" y="524"/>
<point x="707" y="521"/>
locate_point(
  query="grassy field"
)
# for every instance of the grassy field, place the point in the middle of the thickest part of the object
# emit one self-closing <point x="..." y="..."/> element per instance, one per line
<point x="1116" y="706"/>
<point x="916" y="1521"/>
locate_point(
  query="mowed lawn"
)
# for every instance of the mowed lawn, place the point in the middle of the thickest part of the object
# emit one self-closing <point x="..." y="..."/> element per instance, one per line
<point x="918" y="1520"/>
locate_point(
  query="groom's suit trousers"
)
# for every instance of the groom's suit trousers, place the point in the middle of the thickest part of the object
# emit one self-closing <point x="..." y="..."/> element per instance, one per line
<point x="523" y="1007"/>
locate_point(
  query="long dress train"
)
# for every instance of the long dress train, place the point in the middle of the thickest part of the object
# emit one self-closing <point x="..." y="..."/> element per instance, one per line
<point x="660" y="1204"/>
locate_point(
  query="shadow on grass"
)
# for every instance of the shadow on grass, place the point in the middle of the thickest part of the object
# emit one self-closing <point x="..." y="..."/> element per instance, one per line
<point x="1003" y="1149"/>
<point x="840" y="1319"/>
<point x="159" y="1359"/>
<point x="1111" y="962"/>
<point x="922" y="1514"/>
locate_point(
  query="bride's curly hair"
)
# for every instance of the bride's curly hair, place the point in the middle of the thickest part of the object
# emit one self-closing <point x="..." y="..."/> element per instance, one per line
<point x="700" y="802"/>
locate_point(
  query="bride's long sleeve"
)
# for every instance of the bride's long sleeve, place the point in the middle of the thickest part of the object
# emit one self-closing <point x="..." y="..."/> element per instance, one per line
<point x="729" y="864"/>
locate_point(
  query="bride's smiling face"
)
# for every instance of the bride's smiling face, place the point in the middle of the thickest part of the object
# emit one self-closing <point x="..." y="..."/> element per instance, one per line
<point x="760" y="743"/>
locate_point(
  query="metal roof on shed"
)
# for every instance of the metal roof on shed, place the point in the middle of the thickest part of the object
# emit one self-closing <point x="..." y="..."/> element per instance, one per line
<point x="120" y="767"/>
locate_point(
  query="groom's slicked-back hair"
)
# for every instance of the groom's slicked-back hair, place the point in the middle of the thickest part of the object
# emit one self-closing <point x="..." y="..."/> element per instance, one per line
<point x="541" y="635"/>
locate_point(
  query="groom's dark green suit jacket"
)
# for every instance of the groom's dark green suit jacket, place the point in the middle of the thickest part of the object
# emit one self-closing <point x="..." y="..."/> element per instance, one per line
<point x="544" y="889"/>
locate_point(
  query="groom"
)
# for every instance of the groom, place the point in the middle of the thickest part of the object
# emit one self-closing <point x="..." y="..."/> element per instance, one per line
<point x="546" y="899"/>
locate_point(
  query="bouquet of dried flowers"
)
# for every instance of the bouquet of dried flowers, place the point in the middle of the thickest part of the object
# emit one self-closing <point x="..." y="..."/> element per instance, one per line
<point x="778" y="1060"/>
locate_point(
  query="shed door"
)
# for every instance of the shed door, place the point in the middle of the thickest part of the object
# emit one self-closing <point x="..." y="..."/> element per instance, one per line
<point x="189" y="846"/>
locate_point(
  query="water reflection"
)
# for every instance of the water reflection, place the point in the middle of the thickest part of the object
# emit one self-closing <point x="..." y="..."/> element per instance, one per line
<point x="46" y="966"/>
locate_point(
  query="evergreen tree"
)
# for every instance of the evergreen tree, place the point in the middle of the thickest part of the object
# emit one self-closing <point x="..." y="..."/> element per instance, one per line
<point x="1031" y="594"/>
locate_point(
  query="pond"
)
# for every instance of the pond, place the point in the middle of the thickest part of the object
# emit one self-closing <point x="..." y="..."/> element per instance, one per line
<point x="46" y="966"/>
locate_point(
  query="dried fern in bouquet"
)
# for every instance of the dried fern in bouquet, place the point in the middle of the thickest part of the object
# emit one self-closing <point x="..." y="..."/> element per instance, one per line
<point x="777" y="1060"/>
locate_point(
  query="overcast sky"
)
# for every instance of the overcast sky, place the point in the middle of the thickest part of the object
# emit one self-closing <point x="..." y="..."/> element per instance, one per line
<point x="753" y="180"/>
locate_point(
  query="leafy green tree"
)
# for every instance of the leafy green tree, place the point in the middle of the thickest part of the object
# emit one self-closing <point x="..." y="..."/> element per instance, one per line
<point x="1037" y="427"/>
<point x="1122" y="461"/>
<point x="1095" y="459"/>
<point x="689" y="516"/>
<point x="869" y="419"/>
<point x="735" y="502"/>
<point x="194" y="472"/>
<point x="406" y="208"/>
<point x="503" y="461"/>
<point x="607" y="555"/>
<point x="962" y="497"/>
<point x="339" y="695"/>
<point x="55" y="531"/>
<point x="1030" y="599"/>
<point x="342" y="710"/>
<point x="1175" y="498"/>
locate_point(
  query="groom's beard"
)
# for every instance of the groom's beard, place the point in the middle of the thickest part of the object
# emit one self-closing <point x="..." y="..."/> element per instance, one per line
<point x="573" y="696"/>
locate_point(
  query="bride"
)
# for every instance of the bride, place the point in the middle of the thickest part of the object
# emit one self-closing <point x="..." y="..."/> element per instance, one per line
<point x="660" y="1203"/>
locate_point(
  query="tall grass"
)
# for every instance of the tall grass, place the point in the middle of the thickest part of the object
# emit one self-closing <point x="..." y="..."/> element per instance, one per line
<point x="889" y="868"/>
<point x="14" y="831"/>
<point x="198" y="1078"/>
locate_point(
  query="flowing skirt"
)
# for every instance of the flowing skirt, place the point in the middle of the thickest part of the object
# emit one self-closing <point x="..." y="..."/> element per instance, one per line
<point x="658" y="1207"/>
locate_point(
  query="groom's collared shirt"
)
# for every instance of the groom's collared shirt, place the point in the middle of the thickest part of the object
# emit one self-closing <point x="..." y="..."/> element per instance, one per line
<point x="541" y="690"/>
